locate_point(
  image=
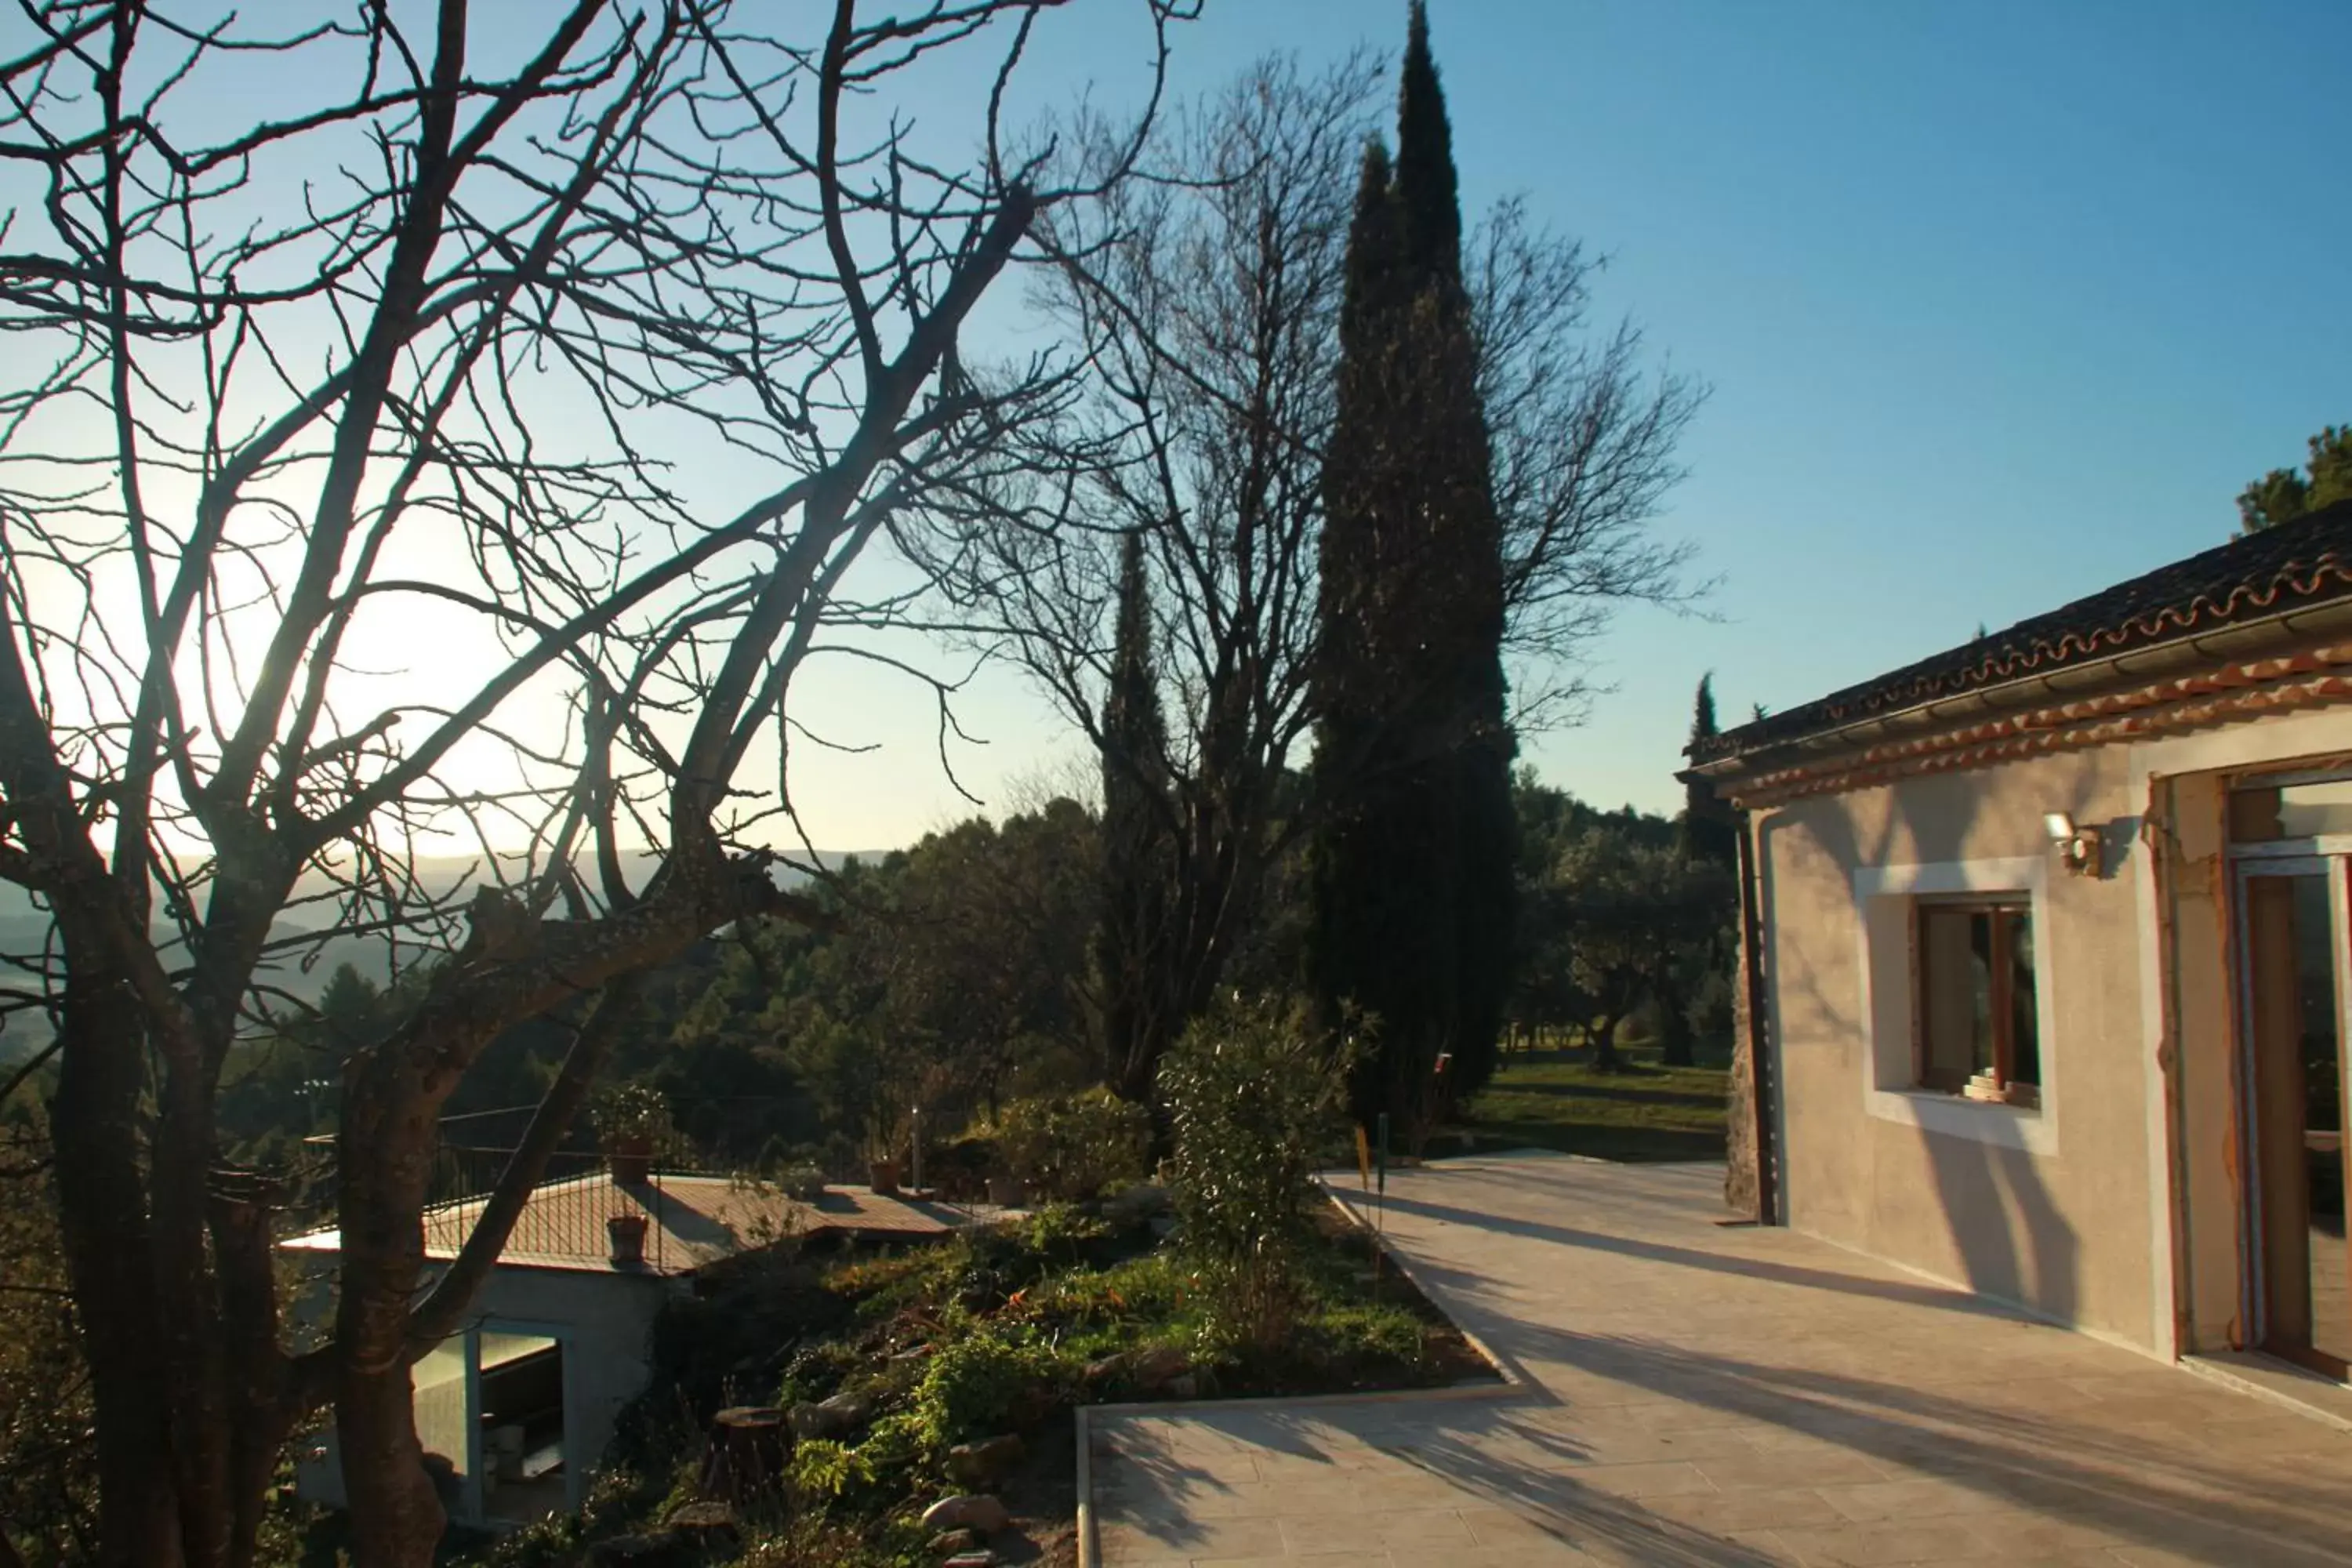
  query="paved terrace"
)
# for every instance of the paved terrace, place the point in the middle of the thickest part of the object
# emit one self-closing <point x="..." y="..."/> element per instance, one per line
<point x="1697" y="1394"/>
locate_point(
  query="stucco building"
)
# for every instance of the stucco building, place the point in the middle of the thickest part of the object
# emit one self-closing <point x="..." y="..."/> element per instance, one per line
<point x="516" y="1409"/>
<point x="2050" y="952"/>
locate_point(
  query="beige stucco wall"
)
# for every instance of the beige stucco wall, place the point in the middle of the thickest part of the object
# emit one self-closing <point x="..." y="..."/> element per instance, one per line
<point x="606" y="1322"/>
<point x="2051" y="1209"/>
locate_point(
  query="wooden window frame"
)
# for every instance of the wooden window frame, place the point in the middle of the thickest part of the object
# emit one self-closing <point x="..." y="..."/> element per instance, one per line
<point x="1998" y="1084"/>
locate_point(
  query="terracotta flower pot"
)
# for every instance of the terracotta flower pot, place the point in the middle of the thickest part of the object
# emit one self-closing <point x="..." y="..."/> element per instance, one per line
<point x="627" y="1231"/>
<point x="883" y="1174"/>
<point x="631" y="1161"/>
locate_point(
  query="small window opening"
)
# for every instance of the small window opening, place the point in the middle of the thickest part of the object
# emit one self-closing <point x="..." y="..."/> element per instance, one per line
<point x="1979" y="1029"/>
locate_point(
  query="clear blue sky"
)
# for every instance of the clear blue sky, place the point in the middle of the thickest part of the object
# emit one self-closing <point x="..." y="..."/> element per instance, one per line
<point x="2000" y="302"/>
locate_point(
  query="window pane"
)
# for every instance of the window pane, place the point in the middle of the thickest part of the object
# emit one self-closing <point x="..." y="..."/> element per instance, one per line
<point x="2262" y="813"/>
<point x="1980" y="962"/>
<point x="2025" y="1023"/>
<point x="1955" y="992"/>
<point x="1963" y="948"/>
<point x="443" y="1425"/>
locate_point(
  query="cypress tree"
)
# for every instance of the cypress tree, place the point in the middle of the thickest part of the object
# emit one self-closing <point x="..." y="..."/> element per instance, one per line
<point x="1411" y="884"/>
<point x="1135" y="871"/>
<point x="1708" y="832"/>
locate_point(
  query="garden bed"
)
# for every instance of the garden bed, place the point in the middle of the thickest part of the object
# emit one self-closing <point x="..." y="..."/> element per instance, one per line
<point x="930" y="1351"/>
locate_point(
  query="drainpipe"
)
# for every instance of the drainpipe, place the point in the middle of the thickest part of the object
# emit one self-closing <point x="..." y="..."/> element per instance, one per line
<point x="1763" y="1088"/>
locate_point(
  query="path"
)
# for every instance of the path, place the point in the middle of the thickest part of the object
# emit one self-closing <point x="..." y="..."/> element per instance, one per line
<point x="1703" y="1395"/>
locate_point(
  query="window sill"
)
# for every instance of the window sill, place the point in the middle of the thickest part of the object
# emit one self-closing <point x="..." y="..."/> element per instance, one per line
<point x="1974" y="1100"/>
<point x="2033" y="1129"/>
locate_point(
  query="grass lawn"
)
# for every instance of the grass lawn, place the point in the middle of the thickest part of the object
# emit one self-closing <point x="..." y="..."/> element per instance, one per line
<point x="1553" y="1099"/>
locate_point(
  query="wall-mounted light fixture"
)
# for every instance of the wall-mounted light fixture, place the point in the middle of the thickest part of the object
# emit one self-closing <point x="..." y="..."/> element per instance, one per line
<point x="2079" y="848"/>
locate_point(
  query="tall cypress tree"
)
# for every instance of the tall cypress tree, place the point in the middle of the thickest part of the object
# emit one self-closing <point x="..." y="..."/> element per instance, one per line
<point x="1411" y="885"/>
<point x="1708" y="832"/>
<point x="1135" y="863"/>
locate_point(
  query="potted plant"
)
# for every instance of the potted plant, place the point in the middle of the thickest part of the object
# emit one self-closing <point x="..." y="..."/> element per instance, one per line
<point x="803" y="1183"/>
<point x="886" y="1138"/>
<point x="629" y="1121"/>
<point x="627" y="1231"/>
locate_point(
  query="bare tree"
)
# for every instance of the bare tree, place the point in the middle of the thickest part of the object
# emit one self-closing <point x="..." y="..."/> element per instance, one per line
<point x="585" y="376"/>
<point x="1205" y="306"/>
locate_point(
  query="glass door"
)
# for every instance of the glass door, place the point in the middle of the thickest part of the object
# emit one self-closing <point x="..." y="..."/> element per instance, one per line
<point x="2296" y="957"/>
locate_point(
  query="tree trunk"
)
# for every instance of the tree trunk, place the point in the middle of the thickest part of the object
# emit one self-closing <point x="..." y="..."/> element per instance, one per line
<point x="1603" y="1036"/>
<point x="1677" y="1047"/>
<point x="102" y="1220"/>
<point x="396" y="1512"/>
<point x="385" y="1153"/>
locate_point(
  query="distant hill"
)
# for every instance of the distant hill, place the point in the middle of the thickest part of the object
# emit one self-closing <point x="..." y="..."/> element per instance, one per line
<point x="25" y="930"/>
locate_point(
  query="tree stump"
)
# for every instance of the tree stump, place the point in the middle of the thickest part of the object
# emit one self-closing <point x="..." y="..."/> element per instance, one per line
<point x="710" y="1526"/>
<point x="748" y="1446"/>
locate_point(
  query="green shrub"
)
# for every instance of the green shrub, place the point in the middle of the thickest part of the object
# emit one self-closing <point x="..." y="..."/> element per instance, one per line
<point x="825" y="1468"/>
<point x="632" y="1111"/>
<point x="1368" y="1332"/>
<point x="1060" y="1230"/>
<point x="1072" y="1147"/>
<point x="1252" y="1097"/>
<point x="985" y="1383"/>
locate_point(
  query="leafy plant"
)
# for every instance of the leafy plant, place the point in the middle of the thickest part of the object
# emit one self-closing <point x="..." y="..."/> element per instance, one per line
<point x="632" y="1112"/>
<point x="1061" y="1229"/>
<point x="1253" y="1096"/>
<point x="985" y="1383"/>
<point x="1074" y="1146"/>
<point x="825" y="1468"/>
<point x="804" y="1182"/>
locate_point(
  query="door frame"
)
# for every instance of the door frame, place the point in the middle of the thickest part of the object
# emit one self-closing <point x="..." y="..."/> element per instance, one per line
<point x="574" y="1491"/>
<point x="2330" y="858"/>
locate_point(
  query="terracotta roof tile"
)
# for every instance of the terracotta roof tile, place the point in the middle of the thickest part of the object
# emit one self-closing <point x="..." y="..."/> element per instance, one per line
<point x="691" y="1221"/>
<point x="2309" y="561"/>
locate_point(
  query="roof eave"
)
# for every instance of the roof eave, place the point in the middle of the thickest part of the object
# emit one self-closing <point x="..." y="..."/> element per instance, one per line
<point x="2153" y="661"/>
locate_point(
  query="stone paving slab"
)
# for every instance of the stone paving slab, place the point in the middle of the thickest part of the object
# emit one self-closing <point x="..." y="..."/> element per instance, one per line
<point x="1696" y="1395"/>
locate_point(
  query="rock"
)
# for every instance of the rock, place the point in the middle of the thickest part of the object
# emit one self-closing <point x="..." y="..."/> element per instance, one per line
<point x="1183" y="1385"/>
<point x="851" y="1410"/>
<point x="831" y="1417"/>
<point x="947" y="1542"/>
<point x="1106" y="1370"/>
<point x="626" y="1550"/>
<point x="1164" y="1226"/>
<point x="976" y="1512"/>
<point x="1154" y="1367"/>
<point x="982" y="1559"/>
<point x="980" y="1464"/>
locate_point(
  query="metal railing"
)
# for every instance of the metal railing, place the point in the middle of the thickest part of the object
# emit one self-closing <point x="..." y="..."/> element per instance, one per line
<point x="577" y="1192"/>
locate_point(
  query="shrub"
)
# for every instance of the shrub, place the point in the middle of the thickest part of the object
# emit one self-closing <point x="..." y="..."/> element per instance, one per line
<point x="985" y="1383"/>
<point x="1073" y="1146"/>
<point x="825" y="1468"/>
<point x="1252" y="1097"/>
<point x="632" y="1112"/>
